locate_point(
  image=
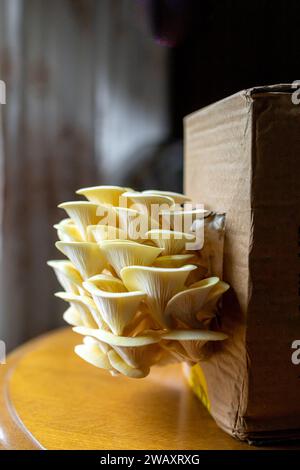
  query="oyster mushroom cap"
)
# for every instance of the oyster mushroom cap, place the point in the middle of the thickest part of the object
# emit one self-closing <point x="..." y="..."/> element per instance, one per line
<point x="214" y="294"/>
<point x="117" y="308"/>
<point x="67" y="231"/>
<point x="159" y="284"/>
<point x="191" y="342"/>
<point x="92" y="353"/>
<point x="85" y="256"/>
<point x="118" y="340"/>
<point x="121" y="253"/>
<point x="194" y="335"/>
<point x="178" y="198"/>
<point x="86" y="307"/>
<point x="134" y="223"/>
<point x="103" y="194"/>
<point x="181" y="219"/>
<point x="98" y="233"/>
<point x="187" y="304"/>
<point x="67" y="275"/>
<point x="173" y="261"/>
<point x="105" y="282"/>
<point x="145" y="202"/>
<point x="84" y="213"/>
<point x="170" y="241"/>
<point x="73" y="317"/>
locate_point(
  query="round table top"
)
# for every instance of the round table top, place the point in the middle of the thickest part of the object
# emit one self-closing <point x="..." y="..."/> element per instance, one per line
<point x="51" y="399"/>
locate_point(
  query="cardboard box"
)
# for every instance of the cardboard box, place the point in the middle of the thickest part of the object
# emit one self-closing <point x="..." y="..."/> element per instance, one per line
<point x="242" y="156"/>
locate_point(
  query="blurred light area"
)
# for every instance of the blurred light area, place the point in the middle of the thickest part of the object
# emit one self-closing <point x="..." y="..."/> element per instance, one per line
<point x="87" y="103"/>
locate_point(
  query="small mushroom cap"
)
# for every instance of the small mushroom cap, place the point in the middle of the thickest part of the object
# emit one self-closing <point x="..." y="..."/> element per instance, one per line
<point x="135" y="224"/>
<point x="118" y="340"/>
<point x="85" y="256"/>
<point x="173" y="261"/>
<point x="84" y="213"/>
<point x="67" y="231"/>
<point x="121" y="253"/>
<point x="98" y="233"/>
<point x="158" y="283"/>
<point x="91" y="353"/>
<point x="192" y="342"/>
<point x="146" y="202"/>
<point x="103" y="194"/>
<point x="181" y="219"/>
<point x="187" y="304"/>
<point x="194" y="335"/>
<point x="214" y="294"/>
<point x="117" y="308"/>
<point x="73" y="317"/>
<point x="68" y="277"/>
<point x="170" y="241"/>
<point x="178" y="198"/>
<point x="105" y="282"/>
<point x="86" y="308"/>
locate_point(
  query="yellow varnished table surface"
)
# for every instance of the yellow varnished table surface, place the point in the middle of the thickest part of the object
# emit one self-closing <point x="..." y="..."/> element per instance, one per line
<point x="51" y="399"/>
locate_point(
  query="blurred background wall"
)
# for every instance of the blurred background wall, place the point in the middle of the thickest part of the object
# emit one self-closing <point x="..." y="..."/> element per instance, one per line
<point x="86" y="95"/>
<point x="96" y="93"/>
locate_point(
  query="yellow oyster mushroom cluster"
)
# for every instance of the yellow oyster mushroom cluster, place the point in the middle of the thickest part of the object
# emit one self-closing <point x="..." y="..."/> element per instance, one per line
<point x="135" y="293"/>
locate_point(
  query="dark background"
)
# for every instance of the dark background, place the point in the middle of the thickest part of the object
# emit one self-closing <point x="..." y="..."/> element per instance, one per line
<point x="225" y="46"/>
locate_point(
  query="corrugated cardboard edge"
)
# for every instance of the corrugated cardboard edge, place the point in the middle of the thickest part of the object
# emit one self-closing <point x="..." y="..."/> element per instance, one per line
<point x="249" y="94"/>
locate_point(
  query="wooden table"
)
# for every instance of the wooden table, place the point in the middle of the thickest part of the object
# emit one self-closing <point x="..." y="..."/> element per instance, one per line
<point x="51" y="399"/>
